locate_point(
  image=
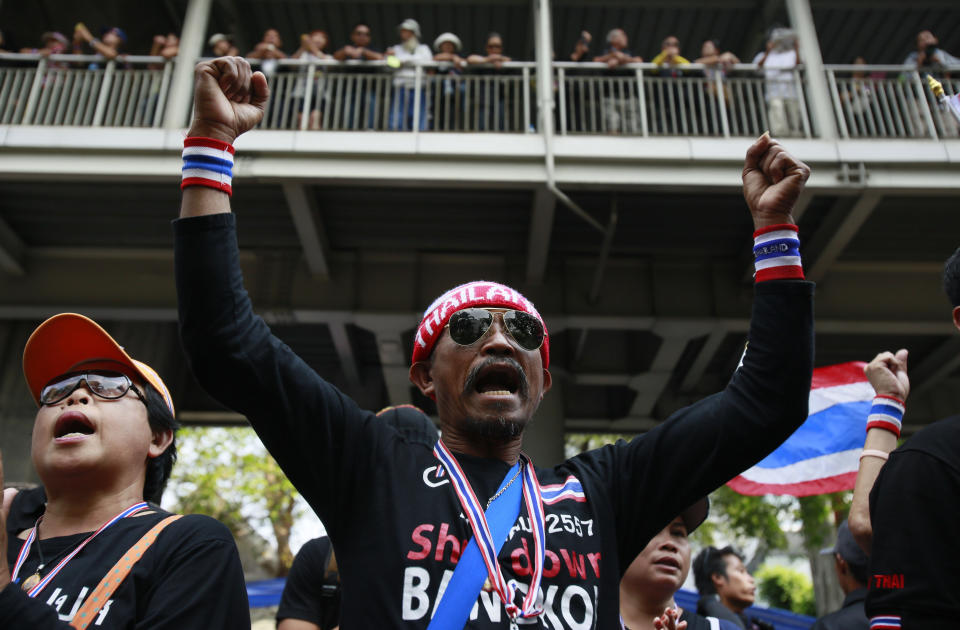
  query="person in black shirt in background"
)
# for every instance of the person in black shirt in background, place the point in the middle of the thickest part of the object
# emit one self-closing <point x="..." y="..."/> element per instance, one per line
<point x="726" y="587"/>
<point x="906" y="501"/>
<point x="393" y="507"/>
<point x="311" y="596"/>
<point x="103" y="446"/>
<point x="851" y="566"/>
<point x="651" y="581"/>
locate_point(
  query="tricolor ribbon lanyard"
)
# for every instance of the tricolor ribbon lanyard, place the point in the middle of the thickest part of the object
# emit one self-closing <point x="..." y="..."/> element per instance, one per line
<point x="481" y="532"/>
<point x="34" y="590"/>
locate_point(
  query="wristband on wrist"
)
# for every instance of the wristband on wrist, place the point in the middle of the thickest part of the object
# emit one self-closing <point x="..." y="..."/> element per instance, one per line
<point x="776" y="252"/>
<point x="872" y="452"/>
<point x="208" y="162"/>
<point x="886" y="413"/>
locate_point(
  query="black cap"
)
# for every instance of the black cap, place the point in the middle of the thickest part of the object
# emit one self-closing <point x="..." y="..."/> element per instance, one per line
<point x="847" y="547"/>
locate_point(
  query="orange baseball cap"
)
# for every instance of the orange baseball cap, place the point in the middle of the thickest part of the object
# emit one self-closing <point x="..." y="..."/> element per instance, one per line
<point x="68" y="342"/>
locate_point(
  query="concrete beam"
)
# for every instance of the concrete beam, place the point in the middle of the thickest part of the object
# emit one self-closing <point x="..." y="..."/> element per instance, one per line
<point x="305" y="216"/>
<point x="348" y="360"/>
<point x="11" y="251"/>
<point x="650" y="385"/>
<point x="404" y="321"/>
<point x="841" y="237"/>
<point x="940" y="364"/>
<point x="541" y="228"/>
<point x="396" y="368"/>
<point x="710" y="347"/>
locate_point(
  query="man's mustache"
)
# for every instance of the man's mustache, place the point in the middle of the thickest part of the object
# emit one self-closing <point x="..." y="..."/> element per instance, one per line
<point x="470" y="384"/>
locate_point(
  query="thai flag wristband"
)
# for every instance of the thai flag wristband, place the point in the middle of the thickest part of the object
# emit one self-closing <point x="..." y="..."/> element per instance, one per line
<point x="886" y="413"/>
<point x="776" y="253"/>
<point x="207" y="162"/>
<point x="885" y="622"/>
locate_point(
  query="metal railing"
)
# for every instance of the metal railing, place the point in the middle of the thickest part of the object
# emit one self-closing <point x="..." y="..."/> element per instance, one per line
<point x="635" y="100"/>
<point x="691" y="100"/>
<point x="889" y="102"/>
<point x="353" y="96"/>
<point x="84" y="90"/>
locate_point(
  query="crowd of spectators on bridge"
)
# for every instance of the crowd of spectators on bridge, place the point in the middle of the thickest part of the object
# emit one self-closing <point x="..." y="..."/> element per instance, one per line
<point x="479" y="90"/>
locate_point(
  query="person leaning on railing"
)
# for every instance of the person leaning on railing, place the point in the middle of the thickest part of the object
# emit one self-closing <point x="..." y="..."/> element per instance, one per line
<point x="620" y="114"/>
<point x="716" y="61"/>
<point x="111" y="40"/>
<point x="616" y="53"/>
<point x="270" y="47"/>
<point x="669" y="56"/>
<point x="360" y="106"/>
<point x="929" y="55"/>
<point x="53" y="43"/>
<point x="221" y="45"/>
<point x="581" y="50"/>
<point x="491" y="101"/>
<point x="359" y="47"/>
<point x="778" y="61"/>
<point x="406" y="55"/>
<point x="166" y="46"/>
<point x="448" y="110"/>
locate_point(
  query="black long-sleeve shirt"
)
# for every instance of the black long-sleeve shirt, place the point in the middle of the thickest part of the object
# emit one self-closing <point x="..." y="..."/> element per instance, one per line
<point x="397" y="526"/>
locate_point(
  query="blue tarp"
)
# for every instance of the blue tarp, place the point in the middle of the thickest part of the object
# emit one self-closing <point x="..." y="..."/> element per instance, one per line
<point x="267" y="593"/>
<point x="781" y="619"/>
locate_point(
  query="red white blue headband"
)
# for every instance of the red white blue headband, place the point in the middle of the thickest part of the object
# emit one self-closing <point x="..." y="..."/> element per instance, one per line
<point x="472" y="294"/>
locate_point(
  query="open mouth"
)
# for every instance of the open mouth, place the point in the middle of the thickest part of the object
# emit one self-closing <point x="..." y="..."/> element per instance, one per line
<point x="499" y="379"/>
<point x="668" y="561"/>
<point x="72" y="425"/>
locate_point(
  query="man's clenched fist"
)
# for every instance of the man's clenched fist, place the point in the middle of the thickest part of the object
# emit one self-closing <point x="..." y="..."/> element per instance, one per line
<point x="229" y="98"/>
<point x="772" y="181"/>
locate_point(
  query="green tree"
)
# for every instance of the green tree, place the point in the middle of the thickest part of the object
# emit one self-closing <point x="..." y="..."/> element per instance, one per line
<point x="786" y="588"/>
<point x="226" y="473"/>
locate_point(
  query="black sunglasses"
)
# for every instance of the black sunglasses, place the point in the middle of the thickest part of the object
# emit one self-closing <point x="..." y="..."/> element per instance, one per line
<point x="106" y="385"/>
<point x="469" y="325"/>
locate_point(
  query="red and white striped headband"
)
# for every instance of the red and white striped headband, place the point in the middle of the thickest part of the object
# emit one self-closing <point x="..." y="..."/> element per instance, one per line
<point x="472" y="294"/>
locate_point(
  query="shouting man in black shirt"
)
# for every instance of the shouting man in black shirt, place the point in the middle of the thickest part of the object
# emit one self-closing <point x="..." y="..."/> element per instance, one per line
<point x="91" y="548"/>
<point x="468" y="532"/>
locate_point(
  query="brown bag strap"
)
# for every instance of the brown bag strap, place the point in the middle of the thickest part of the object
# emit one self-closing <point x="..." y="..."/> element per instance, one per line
<point x="116" y="575"/>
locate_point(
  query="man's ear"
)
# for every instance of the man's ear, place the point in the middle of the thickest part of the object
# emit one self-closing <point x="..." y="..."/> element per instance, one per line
<point x="841" y="564"/>
<point x="547" y="382"/>
<point x="956" y="317"/>
<point x="161" y="440"/>
<point x="421" y="377"/>
<point x="717" y="580"/>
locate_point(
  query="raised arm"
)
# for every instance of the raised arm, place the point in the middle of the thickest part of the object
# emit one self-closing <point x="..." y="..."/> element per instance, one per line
<point x="658" y="474"/>
<point x="316" y="433"/>
<point x="887" y="374"/>
<point x="229" y="99"/>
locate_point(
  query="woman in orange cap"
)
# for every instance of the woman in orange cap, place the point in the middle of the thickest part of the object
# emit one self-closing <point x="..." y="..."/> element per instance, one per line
<point x="103" y="446"/>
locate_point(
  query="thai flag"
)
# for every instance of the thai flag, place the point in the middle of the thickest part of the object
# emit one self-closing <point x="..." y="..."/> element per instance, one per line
<point x="823" y="455"/>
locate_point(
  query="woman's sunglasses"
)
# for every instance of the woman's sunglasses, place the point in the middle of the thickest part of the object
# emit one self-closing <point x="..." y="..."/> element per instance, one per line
<point x="106" y="385"/>
<point x="469" y="325"/>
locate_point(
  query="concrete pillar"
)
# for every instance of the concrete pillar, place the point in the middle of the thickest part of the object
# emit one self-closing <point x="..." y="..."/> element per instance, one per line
<point x="821" y="110"/>
<point x="543" y="439"/>
<point x="191" y="48"/>
<point x="17" y="409"/>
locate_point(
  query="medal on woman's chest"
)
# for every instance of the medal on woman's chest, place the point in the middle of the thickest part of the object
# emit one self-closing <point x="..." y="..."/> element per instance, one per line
<point x="31" y="581"/>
